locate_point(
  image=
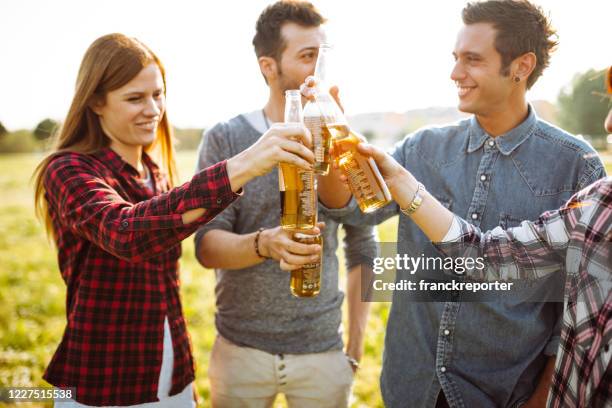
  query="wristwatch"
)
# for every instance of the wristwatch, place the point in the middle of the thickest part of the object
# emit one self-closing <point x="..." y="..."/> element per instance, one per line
<point x="416" y="202"/>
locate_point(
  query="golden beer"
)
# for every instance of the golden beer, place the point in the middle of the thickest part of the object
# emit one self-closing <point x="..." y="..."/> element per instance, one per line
<point x="320" y="112"/>
<point x="306" y="281"/>
<point x="298" y="197"/>
<point x="297" y="187"/>
<point x="364" y="178"/>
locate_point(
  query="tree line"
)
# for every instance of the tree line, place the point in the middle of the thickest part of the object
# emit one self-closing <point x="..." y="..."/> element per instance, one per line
<point x="41" y="138"/>
<point x="582" y="107"/>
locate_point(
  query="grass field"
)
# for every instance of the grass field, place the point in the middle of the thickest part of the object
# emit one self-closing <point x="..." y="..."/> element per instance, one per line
<point x="32" y="294"/>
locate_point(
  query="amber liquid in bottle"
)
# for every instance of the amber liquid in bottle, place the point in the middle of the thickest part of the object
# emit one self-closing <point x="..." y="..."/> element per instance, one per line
<point x="364" y="178"/>
<point x="298" y="194"/>
<point x="298" y="197"/>
<point x="306" y="281"/>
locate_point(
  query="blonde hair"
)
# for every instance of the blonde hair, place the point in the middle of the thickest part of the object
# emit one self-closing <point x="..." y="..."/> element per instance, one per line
<point x="110" y="62"/>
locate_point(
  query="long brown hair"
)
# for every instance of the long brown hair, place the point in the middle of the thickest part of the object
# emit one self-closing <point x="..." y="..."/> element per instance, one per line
<point x="110" y="62"/>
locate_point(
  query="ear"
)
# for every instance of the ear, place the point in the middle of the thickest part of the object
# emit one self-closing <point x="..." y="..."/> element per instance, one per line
<point x="523" y="65"/>
<point x="96" y="105"/>
<point x="268" y="67"/>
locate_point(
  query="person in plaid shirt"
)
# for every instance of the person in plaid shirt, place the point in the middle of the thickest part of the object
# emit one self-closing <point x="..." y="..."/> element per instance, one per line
<point x="118" y="224"/>
<point x="575" y="239"/>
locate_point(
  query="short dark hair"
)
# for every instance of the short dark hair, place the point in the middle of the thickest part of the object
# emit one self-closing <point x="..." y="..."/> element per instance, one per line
<point x="268" y="40"/>
<point x="521" y="27"/>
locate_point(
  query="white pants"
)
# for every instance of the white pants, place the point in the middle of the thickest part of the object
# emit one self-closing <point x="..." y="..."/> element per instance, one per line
<point x="251" y="378"/>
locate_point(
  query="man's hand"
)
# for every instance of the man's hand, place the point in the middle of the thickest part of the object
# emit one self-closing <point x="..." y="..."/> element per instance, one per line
<point x="278" y="244"/>
<point x="309" y="90"/>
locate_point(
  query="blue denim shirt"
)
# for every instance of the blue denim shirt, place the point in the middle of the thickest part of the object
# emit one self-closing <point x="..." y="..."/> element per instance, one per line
<point x="480" y="354"/>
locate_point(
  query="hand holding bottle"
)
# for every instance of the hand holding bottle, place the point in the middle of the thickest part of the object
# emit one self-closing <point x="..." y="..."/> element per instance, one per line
<point x="309" y="89"/>
<point x="286" y="143"/>
<point x="401" y="183"/>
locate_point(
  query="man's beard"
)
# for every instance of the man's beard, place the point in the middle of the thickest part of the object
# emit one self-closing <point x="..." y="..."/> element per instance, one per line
<point x="287" y="83"/>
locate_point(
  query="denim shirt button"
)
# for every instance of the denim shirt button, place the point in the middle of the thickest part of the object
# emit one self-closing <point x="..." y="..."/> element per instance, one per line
<point x="446" y="332"/>
<point x="491" y="142"/>
<point x="442" y="369"/>
<point x="483" y="178"/>
<point x="474" y="216"/>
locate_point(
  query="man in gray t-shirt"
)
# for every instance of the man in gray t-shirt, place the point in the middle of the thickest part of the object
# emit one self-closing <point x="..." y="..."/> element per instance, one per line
<point x="269" y="341"/>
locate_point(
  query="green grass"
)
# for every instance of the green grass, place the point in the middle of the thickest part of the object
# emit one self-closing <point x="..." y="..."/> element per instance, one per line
<point x="32" y="295"/>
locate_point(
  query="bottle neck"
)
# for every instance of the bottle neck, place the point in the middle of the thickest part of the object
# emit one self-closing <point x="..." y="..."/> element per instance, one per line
<point x="321" y="68"/>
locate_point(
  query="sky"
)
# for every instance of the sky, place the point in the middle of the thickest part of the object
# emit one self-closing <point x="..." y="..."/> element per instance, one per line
<point x="393" y="55"/>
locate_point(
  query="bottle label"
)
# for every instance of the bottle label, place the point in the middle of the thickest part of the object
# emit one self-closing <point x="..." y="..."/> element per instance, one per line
<point x="314" y="124"/>
<point x="357" y="179"/>
<point x="306" y="195"/>
<point x="311" y="276"/>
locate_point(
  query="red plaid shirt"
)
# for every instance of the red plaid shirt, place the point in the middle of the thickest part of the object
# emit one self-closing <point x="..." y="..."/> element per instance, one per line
<point x="578" y="237"/>
<point x="118" y="249"/>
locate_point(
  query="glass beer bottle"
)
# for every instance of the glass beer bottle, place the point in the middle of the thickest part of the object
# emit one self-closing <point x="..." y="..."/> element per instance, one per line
<point x="328" y="125"/>
<point x="364" y="179"/>
<point x="318" y="113"/>
<point x="306" y="281"/>
<point x="298" y="197"/>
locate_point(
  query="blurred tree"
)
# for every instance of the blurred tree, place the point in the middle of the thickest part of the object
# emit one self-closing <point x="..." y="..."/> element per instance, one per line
<point x="3" y="130"/>
<point x="187" y="139"/>
<point x="583" y="106"/>
<point x="45" y="129"/>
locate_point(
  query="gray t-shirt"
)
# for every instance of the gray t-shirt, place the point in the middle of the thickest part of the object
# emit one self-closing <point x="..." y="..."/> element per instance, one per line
<point x="255" y="307"/>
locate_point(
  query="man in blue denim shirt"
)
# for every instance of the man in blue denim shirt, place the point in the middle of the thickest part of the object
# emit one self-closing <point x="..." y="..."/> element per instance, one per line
<point x="499" y="167"/>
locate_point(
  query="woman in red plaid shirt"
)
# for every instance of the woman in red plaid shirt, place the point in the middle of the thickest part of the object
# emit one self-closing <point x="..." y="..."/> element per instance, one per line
<point x="118" y="223"/>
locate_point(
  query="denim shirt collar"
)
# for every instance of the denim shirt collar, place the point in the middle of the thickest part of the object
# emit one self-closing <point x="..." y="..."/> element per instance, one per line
<point x="507" y="142"/>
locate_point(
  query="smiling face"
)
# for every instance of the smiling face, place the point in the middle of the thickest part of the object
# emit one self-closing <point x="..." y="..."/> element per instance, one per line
<point x="481" y="87"/>
<point x="130" y="114"/>
<point x="299" y="58"/>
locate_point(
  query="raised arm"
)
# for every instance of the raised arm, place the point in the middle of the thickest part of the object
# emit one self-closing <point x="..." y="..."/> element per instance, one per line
<point x="93" y="209"/>
<point x="530" y="251"/>
<point x="217" y="245"/>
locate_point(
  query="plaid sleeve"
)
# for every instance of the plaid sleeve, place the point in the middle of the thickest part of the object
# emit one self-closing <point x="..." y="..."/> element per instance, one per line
<point x="93" y="209"/>
<point x="530" y="251"/>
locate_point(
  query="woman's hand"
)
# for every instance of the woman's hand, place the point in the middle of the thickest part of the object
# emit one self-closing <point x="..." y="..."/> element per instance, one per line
<point x="282" y="143"/>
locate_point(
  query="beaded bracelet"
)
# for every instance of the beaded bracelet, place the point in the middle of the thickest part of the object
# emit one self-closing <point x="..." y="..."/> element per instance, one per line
<point x="256" y="243"/>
